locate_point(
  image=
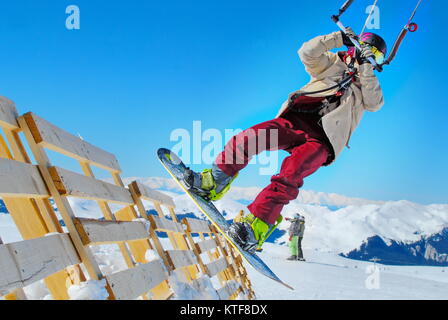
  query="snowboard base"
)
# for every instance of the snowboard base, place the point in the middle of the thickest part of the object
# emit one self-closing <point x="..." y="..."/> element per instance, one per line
<point x="175" y="167"/>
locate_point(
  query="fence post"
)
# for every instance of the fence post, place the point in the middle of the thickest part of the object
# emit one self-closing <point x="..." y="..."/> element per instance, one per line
<point x="62" y="203"/>
<point x="33" y="217"/>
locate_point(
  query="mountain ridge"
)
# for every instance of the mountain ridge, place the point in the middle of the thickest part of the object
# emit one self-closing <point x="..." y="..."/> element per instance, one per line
<point x="335" y="223"/>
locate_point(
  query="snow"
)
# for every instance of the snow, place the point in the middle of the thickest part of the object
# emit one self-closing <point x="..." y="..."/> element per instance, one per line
<point x="110" y="259"/>
<point x="335" y="224"/>
<point x="329" y="276"/>
<point x="89" y="290"/>
<point x="52" y="234"/>
<point x="37" y="291"/>
<point x="89" y="208"/>
<point x="201" y="289"/>
<point x="338" y="224"/>
<point x="346" y="228"/>
<point x="325" y="275"/>
<point x="151" y="255"/>
<point x="8" y="230"/>
<point x="338" y="230"/>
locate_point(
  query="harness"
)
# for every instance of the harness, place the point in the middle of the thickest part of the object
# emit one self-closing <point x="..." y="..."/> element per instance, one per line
<point x="328" y="103"/>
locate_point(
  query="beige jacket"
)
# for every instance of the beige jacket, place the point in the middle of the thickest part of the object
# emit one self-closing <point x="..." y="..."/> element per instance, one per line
<point x="326" y="70"/>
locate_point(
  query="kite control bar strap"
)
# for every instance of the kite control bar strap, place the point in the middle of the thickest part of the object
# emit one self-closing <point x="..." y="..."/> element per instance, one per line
<point x="409" y="27"/>
<point x="344" y="8"/>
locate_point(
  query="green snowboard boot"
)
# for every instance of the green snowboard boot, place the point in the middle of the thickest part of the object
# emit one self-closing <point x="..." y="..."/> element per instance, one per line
<point x="252" y="232"/>
<point x="211" y="184"/>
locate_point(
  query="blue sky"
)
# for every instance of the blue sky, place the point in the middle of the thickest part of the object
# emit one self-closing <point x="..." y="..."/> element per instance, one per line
<point x="136" y="70"/>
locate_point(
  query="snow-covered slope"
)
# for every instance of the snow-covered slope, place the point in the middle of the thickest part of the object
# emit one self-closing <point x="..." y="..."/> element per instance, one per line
<point x="335" y="223"/>
<point x="329" y="276"/>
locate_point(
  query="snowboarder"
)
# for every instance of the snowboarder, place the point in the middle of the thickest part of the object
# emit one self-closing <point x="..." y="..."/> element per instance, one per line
<point x="239" y="217"/>
<point x="313" y="128"/>
<point x="296" y="233"/>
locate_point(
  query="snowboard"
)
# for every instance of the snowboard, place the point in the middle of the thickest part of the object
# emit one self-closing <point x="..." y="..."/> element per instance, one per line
<point x="175" y="167"/>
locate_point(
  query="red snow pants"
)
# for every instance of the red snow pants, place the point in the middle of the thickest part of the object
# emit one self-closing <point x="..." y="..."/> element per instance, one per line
<point x="307" y="151"/>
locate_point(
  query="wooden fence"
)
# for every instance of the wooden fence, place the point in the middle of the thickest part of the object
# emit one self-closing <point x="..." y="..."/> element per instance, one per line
<point x="62" y="256"/>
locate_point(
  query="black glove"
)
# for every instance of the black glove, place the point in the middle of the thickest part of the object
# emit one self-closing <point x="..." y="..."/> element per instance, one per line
<point x="346" y="37"/>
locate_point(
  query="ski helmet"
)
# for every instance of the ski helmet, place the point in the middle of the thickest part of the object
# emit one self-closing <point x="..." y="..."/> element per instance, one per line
<point x="377" y="44"/>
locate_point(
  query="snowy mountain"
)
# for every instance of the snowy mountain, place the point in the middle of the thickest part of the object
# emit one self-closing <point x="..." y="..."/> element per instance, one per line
<point x="430" y="251"/>
<point x="356" y="228"/>
<point x="326" y="276"/>
<point x="341" y="231"/>
<point x="397" y="232"/>
<point x="246" y="194"/>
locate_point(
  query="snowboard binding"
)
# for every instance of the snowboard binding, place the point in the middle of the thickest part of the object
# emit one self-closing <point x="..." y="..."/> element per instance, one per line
<point x="252" y="233"/>
<point x="176" y="168"/>
<point x="206" y="185"/>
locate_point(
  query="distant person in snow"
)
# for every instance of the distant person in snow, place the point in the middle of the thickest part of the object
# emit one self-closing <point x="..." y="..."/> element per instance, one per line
<point x="296" y="233"/>
<point x="239" y="217"/>
<point x="314" y="125"/>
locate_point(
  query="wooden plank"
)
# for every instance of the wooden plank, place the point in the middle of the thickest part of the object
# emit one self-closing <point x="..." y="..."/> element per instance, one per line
<point x="8" y="114"/>
<point x="108" y="214"/>
<point x="149" y="194"/>
<point x="228" y="290"/>
<point x="27" y="218"/>
<point x="48" y="215"/>
<point x="177" y="240"/>
<point x="17" y="294"/>
<point x="138" y="248"/>
<point x="94" y="232"/>
<point x="233" y="271"/>
<point x="132" y="283"/>
<point x="162" y="291"/>
<point x="196" y="225"/>
<point x="206" y="245"/>
<point x="16" y="145"/>
<point x="9" y="274"/>
<point x="181" y="258"/>
<point x="216" y="267"/>
<point x="51" y="137"/>
<point x="155" y="240"/>
<point x="34" y="218"/>
<point x="4" y="149"/>
<point x="73" y="184"/>
<point x="21" y="180"/>
<point x="25" y="262"/>
<point x="165" y="225"/>
<point x="87" y="258"/>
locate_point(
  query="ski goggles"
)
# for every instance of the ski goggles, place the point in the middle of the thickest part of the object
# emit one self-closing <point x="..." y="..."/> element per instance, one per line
<point x="379" y="56"/>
